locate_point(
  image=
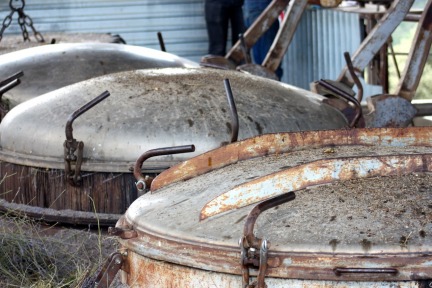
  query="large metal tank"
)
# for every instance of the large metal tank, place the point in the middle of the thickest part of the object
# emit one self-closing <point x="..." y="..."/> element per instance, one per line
<point x="49" y="67"/>
<point x="147" y="109"/>
<point x="347" y="208"/>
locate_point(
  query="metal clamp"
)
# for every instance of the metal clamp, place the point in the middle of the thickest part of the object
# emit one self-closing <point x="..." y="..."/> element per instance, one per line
<point x="71" y="145"/>
<point x="253" y="250"/>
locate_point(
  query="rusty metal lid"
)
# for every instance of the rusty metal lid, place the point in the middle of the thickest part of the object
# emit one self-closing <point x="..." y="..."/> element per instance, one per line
<point x="363" y="201"/>
<point x="49" y="67"/>
<point x="156" y="108"/>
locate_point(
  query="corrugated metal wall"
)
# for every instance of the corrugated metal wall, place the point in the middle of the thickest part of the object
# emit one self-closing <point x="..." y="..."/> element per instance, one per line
<point x="315" y="52"/>
<point x="137" y="21"/>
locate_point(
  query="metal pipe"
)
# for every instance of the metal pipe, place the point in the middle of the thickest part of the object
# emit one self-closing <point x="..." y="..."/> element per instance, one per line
<point x="233" y="110"/>
<point x="80" y="111"/>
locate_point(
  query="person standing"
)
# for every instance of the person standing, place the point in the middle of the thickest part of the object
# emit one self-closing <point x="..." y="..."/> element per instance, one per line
<point x="252" y="10"/>
<point x="219" y="14"/>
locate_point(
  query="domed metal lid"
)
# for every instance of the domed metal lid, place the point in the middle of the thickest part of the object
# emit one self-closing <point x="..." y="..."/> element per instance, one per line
<point x="378" y="225"/>
<point x="49" y="67"/>
<point x="11" y="43"/>
<point x="156" y="108"/>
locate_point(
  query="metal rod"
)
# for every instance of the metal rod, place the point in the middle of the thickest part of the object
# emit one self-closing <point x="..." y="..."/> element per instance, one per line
<point x="244" y="49"/>
<point x="233" y="110"/>
<point x="7" y="87"/>
<point x="339" y="271"/>
<point x="253" y="241"/>
<point x="394" y="59"/>
<point x="80" y="111"/>
<point x="161" y="41"/>
<point x="354" y="76"/>
<point x="12" y="78"/>
<point x="346" y="96"/>
<point x="156" y="152"/>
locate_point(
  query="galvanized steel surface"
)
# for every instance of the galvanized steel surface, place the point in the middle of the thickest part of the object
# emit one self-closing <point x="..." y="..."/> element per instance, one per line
<point x="157" y="108"/>
<point x="47" y="68"/>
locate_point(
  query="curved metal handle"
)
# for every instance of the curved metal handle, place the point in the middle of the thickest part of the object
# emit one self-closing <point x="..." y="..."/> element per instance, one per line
<point x="354" y="77"/>
<point x="233" y="110"/>
<point x="73" y="162"/>
<point x="250" y="238"/>
<point x="141" y="184"/>
<point x="80" y="111"/>
<point x="339" y="92"/>
<point x="7" y="87"/>
<point x="11" y="78"/>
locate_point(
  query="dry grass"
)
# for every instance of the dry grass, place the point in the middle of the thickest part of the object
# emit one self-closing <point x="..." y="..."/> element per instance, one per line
<point x="33" y="254"/>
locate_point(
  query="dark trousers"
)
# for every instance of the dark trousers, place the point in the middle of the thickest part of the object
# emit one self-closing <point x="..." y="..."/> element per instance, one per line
<point x="218" y="16"/>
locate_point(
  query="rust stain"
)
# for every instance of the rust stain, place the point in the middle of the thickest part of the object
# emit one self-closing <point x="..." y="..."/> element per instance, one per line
<point x="269" y="144"/>
<point x="324" y="171"/>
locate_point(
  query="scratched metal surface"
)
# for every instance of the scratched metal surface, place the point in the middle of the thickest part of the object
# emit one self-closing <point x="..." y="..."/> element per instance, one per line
<point x="388" y="214"/>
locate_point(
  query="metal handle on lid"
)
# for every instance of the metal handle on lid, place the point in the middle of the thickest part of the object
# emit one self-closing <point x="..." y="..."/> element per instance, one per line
<point x="339" y="271"/>
<point x="233" y="110"/>
<point x="161" y="42"/>
<point x="73" y="162"/>
<point x="253" y="250"/>
<point x="141" y="183"/>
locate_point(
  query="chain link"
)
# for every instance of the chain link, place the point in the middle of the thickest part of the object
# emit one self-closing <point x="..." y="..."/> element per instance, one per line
<point x="23" y="20"/>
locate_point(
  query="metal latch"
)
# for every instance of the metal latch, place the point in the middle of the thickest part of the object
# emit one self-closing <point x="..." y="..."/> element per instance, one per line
<point x="109" y="270"/>
<point x="253" y="250"/>
<point x="71" y="145"/>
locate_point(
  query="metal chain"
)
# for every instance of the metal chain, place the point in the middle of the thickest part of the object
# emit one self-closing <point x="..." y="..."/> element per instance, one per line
<point x="23" y="20"/>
